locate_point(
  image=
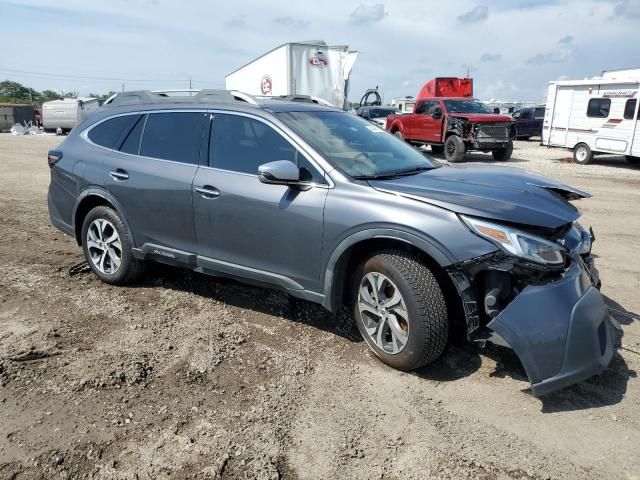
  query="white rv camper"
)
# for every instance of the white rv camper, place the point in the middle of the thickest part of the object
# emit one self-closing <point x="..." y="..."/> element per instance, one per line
<point x="67" y="113"/>
<point x="305" y="68"/>
<point x="596" y="115"/>
<point x="405" y="105"/>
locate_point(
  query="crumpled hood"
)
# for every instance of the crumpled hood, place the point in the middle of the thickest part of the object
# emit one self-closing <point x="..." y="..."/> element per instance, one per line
<point x="483" y="117"/>
<point x="498" y="193"/>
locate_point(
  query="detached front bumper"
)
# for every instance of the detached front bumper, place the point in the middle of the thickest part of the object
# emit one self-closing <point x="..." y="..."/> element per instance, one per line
<point x="561" y="331"/>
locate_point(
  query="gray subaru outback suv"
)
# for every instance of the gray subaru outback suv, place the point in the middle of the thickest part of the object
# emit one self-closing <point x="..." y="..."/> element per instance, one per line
<point x="334" y="210"/>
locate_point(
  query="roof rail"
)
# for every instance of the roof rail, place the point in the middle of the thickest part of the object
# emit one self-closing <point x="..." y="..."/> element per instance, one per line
<point x="300" y="98"/>
<point x="144" y="97"/>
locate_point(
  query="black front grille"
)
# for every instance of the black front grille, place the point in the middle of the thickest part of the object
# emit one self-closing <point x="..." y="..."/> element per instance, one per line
<point x="494" y="132"/>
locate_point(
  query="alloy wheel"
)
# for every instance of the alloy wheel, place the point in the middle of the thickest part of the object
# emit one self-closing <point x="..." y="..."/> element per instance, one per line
<point x="384" y="312"/>
<point x="104" y="246"/>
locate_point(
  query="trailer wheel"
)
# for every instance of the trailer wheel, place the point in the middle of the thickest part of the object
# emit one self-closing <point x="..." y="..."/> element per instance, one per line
<point x="437" y="149"/>
<point x="454" y="149"/>
<point x="503" y="154"/>
<point x="398" y="134"/>
<point x="632" y="160"/>
<point x="582" y="154"/>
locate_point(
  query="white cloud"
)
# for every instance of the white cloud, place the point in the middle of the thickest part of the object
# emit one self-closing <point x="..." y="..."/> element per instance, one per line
<point x="367" y="14"/>
<point x="475" y="15"/>
<point x="401" y="44"/>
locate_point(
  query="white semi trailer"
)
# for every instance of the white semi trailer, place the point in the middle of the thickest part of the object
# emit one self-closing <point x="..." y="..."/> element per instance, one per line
<point x="67" y="113"/>
<point x="303" y="68"/>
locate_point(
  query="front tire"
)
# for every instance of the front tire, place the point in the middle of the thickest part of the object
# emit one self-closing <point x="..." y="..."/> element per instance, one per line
<point x="108" y="247"/>
<point x="400" y="310"/>
<point x="503" y="154"/>
<point x="454" y="149"/>
<point x="632" y="160"/>
<point x="582" y="154"/>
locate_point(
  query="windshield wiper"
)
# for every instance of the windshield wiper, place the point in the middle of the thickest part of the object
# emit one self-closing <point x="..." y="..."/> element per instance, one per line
<point x="397" y="173"/>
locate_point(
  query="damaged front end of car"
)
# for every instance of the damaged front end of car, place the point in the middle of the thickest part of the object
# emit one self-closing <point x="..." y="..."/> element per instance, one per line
<point x="539" y="294"/>
<point x="483" y="136"/>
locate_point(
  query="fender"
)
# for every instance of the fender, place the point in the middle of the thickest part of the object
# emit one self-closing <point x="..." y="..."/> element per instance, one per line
<point x="98" y="191"/>
<point x="397" y="124"/>
<point x="436" y="251"/>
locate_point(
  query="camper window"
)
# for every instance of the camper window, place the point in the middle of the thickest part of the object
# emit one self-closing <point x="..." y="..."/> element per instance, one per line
<point x="629" y="109"/>
<point x="599" y="107"/>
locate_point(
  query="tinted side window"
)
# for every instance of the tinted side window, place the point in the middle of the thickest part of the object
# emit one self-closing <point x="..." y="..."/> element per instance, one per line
<point x="599" y="107"/>
<point x="526" y="115"/>
<point x="111" y="132"/>
<point x="132" y="142"/>
<point x="173" y="136"/>
<point x="538" y="113"/>
<point x="629" y="109"/>
<point x="242" y="144"/>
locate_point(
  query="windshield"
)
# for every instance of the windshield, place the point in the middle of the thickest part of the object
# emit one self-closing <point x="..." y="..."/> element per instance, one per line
<point x="382" y="112"/>
<point x="466" y="106"/>
<point x="355" y="146"/>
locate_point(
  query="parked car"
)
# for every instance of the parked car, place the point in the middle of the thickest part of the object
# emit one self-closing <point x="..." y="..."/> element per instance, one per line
<point x="529" y="122"/>
<point x="323" y="205"/>
<point x="455" y="125"/>
<point x="377" y="115"/>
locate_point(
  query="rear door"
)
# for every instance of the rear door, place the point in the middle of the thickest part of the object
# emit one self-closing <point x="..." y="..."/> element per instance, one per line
<point x="559" y="122"/>
<point x="151" y="176"/>
<point x="270" y="233"/>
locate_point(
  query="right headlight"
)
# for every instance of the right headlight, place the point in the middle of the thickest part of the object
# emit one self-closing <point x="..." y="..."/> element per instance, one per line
<point x="517" y="242"/>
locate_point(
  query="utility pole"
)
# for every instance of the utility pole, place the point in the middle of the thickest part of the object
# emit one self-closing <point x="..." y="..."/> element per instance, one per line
<point x="123" y="87"/>
<point x="189" y="82"/>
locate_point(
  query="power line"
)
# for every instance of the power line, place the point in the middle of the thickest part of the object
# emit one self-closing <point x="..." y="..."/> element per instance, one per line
<point x="103" y="79"/>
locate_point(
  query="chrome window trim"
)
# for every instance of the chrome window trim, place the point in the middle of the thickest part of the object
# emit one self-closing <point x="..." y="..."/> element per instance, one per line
<point x="295" y="140"/>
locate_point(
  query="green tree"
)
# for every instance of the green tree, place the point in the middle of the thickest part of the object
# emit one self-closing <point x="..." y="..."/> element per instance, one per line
<point x="48" y="95"/>
<point x="15" y="92"/>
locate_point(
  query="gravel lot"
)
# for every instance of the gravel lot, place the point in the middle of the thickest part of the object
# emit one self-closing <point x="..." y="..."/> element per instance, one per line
<point x="185" y="376"/>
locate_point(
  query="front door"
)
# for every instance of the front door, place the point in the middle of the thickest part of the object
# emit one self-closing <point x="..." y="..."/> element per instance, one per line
<point x="269" y="233"/>
<point x="151" y="176"/>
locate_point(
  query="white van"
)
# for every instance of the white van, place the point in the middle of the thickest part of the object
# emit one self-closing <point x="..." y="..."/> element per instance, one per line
<point x="67" y="113"/>
<point x="596" y="115"/>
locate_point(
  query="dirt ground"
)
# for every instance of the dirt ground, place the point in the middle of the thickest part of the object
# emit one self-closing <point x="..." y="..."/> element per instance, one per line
<point x="186" y="376"/>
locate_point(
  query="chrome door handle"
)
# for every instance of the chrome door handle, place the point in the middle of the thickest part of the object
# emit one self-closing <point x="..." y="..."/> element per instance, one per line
<point x="119" y="175"/>
<point x="208" y="192"/>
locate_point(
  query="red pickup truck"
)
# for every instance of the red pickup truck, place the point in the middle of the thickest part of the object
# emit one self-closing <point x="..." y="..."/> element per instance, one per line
<point x="454" y="125"/>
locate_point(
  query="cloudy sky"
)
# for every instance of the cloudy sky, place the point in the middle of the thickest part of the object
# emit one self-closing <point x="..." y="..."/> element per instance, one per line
<point x="512" y="48"/>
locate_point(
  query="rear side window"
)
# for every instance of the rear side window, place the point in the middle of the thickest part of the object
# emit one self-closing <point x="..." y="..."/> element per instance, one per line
<point x="173" y="136"/>
<point x="629" y="109"/>
<point x="538" y="113"/>
<point x="110" y="133"/>
<point x="132" y="142"/>
<point x="599" y="107"/>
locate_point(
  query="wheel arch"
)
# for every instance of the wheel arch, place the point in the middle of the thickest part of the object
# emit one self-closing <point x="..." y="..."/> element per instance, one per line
<point x="358" y="246"/>
<point x="354" y="250"/>
<point x="89" y="199"/>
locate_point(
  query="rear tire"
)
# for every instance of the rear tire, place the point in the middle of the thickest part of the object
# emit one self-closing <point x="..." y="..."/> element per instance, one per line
<point x="108" y="247"/>
<point x="582" y="154"/>
<point x="437" y="149"/>
<point x="525" y="138"/>
<point x="454" y="149"/>
<point x="632" y="160"/>
<point x="503" y="154"/>
<point x="405" y="323"/>
<point x="398" y="134"/>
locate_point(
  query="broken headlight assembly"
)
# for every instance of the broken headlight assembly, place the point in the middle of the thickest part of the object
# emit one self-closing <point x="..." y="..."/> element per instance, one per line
<point x="518" y="243"/>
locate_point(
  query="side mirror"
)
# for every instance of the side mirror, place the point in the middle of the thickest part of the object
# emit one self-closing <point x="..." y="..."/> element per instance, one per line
<point x="437" y="112"/>
<point x="280" y="172"/>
